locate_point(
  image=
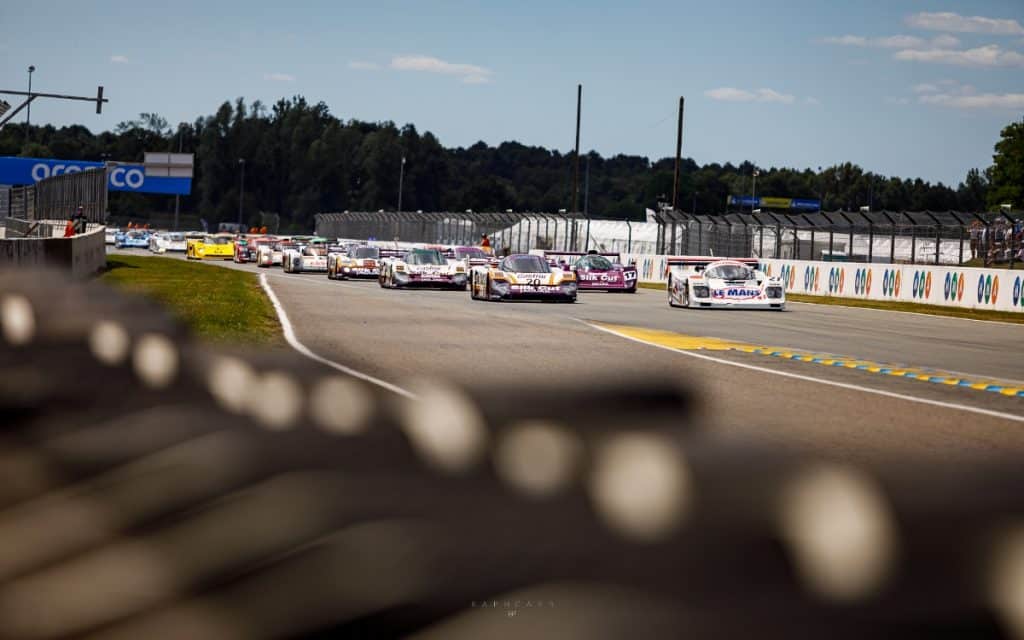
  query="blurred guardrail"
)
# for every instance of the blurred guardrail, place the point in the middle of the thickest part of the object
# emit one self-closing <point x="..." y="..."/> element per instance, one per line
<point x="154" y="487"/>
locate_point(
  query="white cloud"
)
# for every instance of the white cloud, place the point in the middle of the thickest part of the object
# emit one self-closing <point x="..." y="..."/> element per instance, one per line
<point x="893" y="42"/>
<point x="987" y="56"/>
<point x="360" y="65"/>
<point x="731" y="94"/>
<point x="469" y="73"/>
<point x="924" y="88"/>
<point x="119" y="59"/>
<point x="1010" y="101"/>
<point x="279" y="77"/>
<point x="812" y="100"/>
<point x="954" y="22"/>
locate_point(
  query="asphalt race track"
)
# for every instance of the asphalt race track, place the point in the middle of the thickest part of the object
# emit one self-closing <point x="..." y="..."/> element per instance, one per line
<point x="803" y="390"/>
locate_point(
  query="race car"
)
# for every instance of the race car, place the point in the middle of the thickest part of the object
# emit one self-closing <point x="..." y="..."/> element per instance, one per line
<point x="469" y="256"/>
<point x="218" y="247"/>
<point x="522" y="276"/>
<point x="422" y="268"/>
<point x="358" y="262"/>
<point x="132" y="240"/>
<point x="726" y="283"/>
<point x="599" y="271"/>
<point x="304" y="259"/>
<point x="271" y="253"/>
<point x="170" y="241"/>
<point x="110" y="235"/>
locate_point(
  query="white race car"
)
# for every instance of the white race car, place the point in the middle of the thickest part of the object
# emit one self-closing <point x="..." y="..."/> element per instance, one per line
<point x="110" y="235"/>
<point x="307" y="259"/>
<point x="724" y="283"/>
<point x="169" y="241"/>
<point x="422" y="268"/>
<point x="271" y="255"/>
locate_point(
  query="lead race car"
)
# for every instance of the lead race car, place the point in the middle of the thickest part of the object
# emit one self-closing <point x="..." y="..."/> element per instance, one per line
<point x="726" y="283"/>
<point x="422" y="268"/>
<point x="598" y="271"/>
<point x="522" y="276"/>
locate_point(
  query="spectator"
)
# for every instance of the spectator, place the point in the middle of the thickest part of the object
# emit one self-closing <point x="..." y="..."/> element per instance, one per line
<point x="975" y="231"/>
<point x="79" y="220"/>
<point x="485" y="241"/>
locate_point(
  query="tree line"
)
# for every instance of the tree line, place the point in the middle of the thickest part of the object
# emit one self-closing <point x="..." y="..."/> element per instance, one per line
<point x="301" y="160"/>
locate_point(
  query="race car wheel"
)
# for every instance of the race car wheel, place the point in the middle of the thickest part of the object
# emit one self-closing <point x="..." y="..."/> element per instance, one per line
<point x="472" y="287"/>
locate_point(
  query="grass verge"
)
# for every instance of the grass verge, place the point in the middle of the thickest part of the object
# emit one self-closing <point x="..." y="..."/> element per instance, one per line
<point x="223" y="305"/>
<point x="885" y="305"/>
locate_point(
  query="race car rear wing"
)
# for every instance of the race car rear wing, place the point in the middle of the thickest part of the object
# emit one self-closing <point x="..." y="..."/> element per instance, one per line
<point x="699" y="263"/>
<point x="554" y="256"/>
<point x="392" y="253"/>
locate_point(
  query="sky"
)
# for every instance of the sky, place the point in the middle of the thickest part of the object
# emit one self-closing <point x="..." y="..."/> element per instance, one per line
<point x="900" y="87"/>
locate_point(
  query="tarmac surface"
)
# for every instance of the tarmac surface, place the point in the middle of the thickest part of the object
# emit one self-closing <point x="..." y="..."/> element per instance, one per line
<point x="807" y="396"/>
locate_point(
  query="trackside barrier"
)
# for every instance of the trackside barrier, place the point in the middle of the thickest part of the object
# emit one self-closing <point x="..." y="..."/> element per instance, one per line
<point x="967" y="288"/>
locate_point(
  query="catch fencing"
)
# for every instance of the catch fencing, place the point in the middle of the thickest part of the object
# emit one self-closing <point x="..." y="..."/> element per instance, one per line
<point x="515" y="231"/>
<point x="58" y="197"/>
<point x="926" y="237"/>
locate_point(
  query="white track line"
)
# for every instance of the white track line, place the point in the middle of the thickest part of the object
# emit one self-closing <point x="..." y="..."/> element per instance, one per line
<point x="289" y="336"/>
<point x="831" y="383"/>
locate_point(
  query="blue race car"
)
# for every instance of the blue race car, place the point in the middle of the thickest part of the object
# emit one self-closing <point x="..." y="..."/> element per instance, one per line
<point x="132" y="240"/>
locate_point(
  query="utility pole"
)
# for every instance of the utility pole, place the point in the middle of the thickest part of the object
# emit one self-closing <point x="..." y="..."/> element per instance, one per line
<point x="679" y="151"/>
<point x="753" y="199"/>
<point x="401" y="180"/>
<point x="241" y="193"/>
<point x="576" y="157"/>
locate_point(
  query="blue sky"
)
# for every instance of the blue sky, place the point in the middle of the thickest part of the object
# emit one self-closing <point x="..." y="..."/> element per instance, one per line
<point x="905" y="87"/>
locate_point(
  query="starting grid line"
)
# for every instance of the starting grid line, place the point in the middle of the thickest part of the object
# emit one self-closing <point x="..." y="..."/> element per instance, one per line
<point x="697" y="343"/>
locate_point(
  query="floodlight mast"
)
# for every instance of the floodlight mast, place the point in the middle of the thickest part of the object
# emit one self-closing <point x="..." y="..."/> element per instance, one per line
<point x="30" y="96"/>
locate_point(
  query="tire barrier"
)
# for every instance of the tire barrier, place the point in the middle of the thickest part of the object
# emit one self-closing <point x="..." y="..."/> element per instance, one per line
<point x="155" y="487"/>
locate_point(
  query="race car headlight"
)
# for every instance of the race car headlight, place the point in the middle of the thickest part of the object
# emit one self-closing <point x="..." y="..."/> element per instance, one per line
<point x="701" y="291"/>
<point x="347" y="269"/>
<point x="460" y="269"/>
<point x="498" y="275"/>
<point x="399" y="268"/>
<point x="501" y="286"/>
<point x="774" y="292"/>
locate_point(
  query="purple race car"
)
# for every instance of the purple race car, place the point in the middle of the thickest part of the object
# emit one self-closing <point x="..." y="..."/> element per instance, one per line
<point x="600" y="271"/>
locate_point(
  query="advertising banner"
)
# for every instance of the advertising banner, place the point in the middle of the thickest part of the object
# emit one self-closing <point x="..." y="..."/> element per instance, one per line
<point x="123" y="177"/>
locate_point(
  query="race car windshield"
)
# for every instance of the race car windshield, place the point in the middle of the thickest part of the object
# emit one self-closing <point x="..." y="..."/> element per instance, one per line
<point x="525" y="264"/>
<point x="176" y="236"/>
<point x="596" y="262"/>
<point x="364" y="253"/>
<point x="425" y="257"/>
<point x="218" y="240"/>
<point x="463" y="253"/>
<point x="730" y="272"/>
<point x="313" y="251"/>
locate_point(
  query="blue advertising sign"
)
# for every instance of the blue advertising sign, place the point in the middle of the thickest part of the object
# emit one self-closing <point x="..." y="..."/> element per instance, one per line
<point x="744" y="201"/>
<point x="805" y="204"/>
<point x="123" y="177"/>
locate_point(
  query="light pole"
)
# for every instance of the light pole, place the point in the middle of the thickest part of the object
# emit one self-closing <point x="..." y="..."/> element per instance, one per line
<point x="28" y="112"/>
<point x="401" y="180"/>
<point x="241" y="193"/>
<point x="753" y="190"/>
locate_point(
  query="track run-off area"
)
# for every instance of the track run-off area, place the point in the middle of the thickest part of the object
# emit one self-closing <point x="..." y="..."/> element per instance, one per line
<point x="850" y="383"/>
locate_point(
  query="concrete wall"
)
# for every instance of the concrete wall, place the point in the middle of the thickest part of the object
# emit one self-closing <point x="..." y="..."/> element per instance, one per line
<point x="80" y="256"/>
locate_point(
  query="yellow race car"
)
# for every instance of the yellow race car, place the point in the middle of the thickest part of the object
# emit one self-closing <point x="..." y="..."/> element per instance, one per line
<point x="218" y="247"/>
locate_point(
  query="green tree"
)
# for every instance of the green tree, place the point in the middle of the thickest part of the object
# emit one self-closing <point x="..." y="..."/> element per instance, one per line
<point x="1007" y="175"/>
